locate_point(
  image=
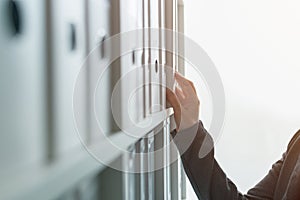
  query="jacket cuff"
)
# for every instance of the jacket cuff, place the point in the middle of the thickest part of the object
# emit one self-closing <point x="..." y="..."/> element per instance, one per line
<point x="189" y="139"/>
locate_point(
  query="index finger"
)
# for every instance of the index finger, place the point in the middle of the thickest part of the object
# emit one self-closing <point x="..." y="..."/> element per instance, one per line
<point x="186" y="85"/>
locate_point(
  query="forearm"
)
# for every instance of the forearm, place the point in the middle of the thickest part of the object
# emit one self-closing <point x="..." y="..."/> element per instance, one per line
<point x="197" y="151"/>
<point x="207" y="178"/>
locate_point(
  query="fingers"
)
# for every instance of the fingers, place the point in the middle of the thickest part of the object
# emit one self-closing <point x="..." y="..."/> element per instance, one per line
<point x="192" y="84"/>
<point x="172" y="99"/>
<point x="187" y="86"/>
<point x="179" y="94"/>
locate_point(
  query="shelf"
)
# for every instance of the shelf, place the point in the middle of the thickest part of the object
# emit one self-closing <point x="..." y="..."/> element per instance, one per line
<point x="123" y="140"/>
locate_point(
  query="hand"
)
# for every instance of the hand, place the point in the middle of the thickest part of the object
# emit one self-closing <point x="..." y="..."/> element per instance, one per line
<point x="184" y="102"/>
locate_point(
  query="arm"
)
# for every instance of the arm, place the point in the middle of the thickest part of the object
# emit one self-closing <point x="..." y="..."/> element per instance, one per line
<point x="209" y="180"/>
<point x="206" y="176"/>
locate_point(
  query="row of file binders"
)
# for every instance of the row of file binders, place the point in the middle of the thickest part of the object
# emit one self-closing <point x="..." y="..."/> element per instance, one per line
<point x="56" y="95"/>
<point x="44" y="46"/>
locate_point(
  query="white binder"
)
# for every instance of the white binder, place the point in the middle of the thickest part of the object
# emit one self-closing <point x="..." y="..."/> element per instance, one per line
<point x="22" y="85"/>
<point x="129" y="165"/>
<point x="154" y="57"/>
<point x="151" y="166"/>
<point x="162" y="53"/>
<point x="99" y="74"/>
<point x="131" y="61"/>
<point x="67" y="57"/>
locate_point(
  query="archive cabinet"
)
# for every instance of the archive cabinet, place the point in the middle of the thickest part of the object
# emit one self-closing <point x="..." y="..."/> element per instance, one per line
<point x="59" y="70"/>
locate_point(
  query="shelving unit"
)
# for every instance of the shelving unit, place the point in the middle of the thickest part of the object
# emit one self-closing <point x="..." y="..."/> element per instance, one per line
<point x="43" y="45"/>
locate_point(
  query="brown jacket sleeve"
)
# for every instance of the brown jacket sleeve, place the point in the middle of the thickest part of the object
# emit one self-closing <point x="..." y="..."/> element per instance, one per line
<point x="206" y="176"/>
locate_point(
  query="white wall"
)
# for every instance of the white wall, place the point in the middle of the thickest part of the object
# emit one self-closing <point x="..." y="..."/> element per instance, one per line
<point x="255" y="45"/>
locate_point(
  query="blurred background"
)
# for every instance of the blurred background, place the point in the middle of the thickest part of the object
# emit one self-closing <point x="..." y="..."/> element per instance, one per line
<point x="255" y="46"/>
